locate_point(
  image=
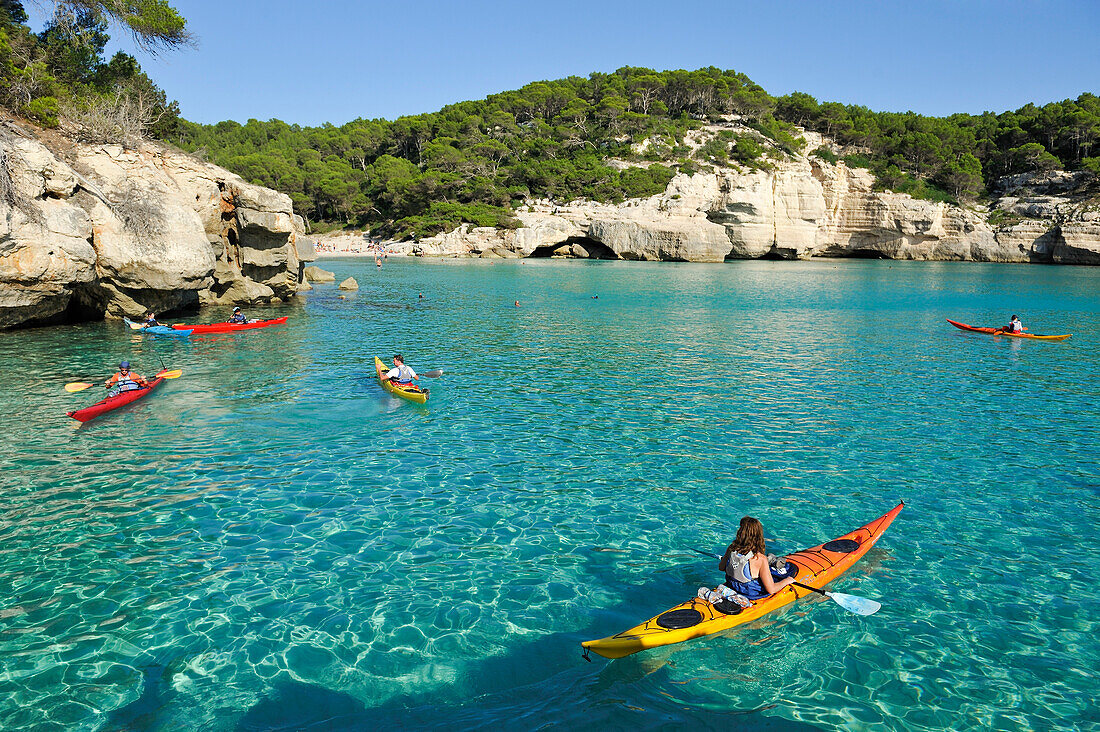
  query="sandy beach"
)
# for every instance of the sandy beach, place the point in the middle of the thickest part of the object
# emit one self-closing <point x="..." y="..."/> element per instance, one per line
<point x="355" y="245"/>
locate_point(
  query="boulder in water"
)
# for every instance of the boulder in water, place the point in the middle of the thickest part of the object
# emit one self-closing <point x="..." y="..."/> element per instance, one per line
<point x="316" y="274"/>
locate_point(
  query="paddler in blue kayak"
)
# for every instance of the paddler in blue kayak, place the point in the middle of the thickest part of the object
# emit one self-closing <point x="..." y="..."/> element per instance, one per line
<point x="400" y="373"/>
<point x="125" y="380"/>
<point x="746" y="564"/>
<point x="150" y="319"/>
<point x="237" y="317"/>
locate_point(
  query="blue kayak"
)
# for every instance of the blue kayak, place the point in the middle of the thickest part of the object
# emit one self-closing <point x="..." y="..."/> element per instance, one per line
<point x="156" y="329"/>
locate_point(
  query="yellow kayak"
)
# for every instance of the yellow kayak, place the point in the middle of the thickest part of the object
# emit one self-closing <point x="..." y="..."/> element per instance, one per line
<point x="412" y="392"/>
<point x="696" y="617"/>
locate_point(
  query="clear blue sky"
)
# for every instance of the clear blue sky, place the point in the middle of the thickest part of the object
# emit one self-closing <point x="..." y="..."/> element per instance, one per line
<point x="335" y="60"/>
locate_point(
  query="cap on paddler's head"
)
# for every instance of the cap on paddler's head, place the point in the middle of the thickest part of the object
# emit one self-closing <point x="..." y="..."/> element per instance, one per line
<point x="237" y="309"/>
<point x="124" y="365"/>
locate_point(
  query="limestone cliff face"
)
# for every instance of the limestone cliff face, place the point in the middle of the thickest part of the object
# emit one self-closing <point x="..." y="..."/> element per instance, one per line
<point x="804" y="207"/>
<point x="87" y="231"/>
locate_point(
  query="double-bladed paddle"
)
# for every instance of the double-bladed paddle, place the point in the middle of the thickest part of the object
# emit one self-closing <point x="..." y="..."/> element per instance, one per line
<point x="433" y="374"/>
<point x="75" y="386"/>
<point x="851" y="603"/>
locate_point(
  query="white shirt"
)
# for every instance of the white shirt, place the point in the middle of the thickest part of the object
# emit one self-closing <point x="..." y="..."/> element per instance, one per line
<point x="1016" y="326"/>
<point x="401" y="373"/>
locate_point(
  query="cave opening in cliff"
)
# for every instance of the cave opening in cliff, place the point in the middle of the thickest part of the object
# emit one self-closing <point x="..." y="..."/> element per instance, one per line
<point x="866" y="254"/>
<point x="232" y="254"/>
<point x="578" y="247"/>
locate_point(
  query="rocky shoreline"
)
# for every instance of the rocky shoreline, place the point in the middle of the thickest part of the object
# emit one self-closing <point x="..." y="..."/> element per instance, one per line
<point x="804" y="207"/>
<point x="92" y="231"/>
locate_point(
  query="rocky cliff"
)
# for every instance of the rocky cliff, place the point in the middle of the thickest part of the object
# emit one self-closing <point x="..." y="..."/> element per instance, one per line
<point x="801" y="207"/>
<point x="92" y="231"/>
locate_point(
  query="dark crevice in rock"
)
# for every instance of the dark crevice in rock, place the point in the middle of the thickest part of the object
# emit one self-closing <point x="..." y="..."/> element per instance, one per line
<point x="578" y="247"/>
<point x="866" y="254"/>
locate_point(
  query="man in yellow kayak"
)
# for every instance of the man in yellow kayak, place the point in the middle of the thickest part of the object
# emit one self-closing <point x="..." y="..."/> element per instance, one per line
<point x="400" y="373"/>
<point x="125" y="380"/>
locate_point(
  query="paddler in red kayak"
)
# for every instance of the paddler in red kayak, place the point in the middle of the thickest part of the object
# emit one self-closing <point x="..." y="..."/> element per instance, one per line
<point x="400" y="373"/>
<point x="237" y="317"/>
<point x="125" y="380"/>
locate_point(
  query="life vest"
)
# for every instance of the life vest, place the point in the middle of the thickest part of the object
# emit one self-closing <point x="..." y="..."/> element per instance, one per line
<point x="124" y="383"/>
<point x="404" y="375"/>
<point x="737" y="568"/>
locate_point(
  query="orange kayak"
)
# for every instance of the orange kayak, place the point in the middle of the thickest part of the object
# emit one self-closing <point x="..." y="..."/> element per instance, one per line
<point x="999" y="331"/>
<point x="816" y="567"/>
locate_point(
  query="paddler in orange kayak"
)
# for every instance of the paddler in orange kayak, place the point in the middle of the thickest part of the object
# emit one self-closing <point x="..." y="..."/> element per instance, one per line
<point x="747" y="568"/>
<point x="400" y="373"/>
<point x="125" y="380"/>
<point x="1014" y="326"/>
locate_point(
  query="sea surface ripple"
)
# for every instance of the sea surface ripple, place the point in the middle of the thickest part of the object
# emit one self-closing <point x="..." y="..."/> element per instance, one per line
<point x="273" y="542"/>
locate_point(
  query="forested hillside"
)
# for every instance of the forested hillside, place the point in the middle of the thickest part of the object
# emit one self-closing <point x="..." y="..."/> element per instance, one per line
<point x="561" y="139"/>
<point x="606" y="137"/>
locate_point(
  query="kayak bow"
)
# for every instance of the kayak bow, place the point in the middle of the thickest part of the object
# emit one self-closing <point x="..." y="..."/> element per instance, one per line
<point x="998" y="331"/>
<point x="413" y="393"/>
<point x="816" y="567"/>
<point x="112" y="403"/>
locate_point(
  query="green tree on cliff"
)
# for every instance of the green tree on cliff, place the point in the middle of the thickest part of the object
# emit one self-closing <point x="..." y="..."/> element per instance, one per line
<point x="62" y="71"/>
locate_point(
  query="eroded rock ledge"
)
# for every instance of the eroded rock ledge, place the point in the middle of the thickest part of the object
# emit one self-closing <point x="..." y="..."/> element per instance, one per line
<point x="93" y="231"/>
<point x="805" y="207"/>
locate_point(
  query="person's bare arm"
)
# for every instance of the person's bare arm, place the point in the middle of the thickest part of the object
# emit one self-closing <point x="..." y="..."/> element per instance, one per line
<point x="770" y="586"/>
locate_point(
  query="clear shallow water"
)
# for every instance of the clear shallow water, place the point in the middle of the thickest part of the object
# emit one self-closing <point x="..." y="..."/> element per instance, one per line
<point x="272" y="541"/>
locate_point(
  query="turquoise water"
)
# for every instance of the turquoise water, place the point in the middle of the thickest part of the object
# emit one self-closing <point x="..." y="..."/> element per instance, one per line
<point x="271" y="541"/>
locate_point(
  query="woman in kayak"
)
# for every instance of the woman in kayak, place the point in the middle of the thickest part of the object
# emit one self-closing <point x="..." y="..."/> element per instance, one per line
<point x="150" y="319"/>
<point x="746" y="563"/>
<point x="125" y="380"/>
<point x="400" y="373"/>
<point x="1015" y="326"/>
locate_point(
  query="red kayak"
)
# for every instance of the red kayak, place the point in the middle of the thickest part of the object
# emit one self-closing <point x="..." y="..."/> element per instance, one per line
<point x="229" y="327"/>
<point x="1002" y="331"/>
<point x="112" y="403"/>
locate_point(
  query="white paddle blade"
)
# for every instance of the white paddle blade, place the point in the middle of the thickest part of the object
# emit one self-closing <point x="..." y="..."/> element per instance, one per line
<point x="857" y="605"/>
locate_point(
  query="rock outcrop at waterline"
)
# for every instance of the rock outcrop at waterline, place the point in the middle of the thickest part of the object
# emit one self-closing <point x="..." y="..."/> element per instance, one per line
<point x="88" y="231"/>
<point x="804" y="207"/>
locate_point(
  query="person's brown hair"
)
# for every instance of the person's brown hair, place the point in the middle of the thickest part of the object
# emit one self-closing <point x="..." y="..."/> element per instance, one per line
<point x="750" y="537"/>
